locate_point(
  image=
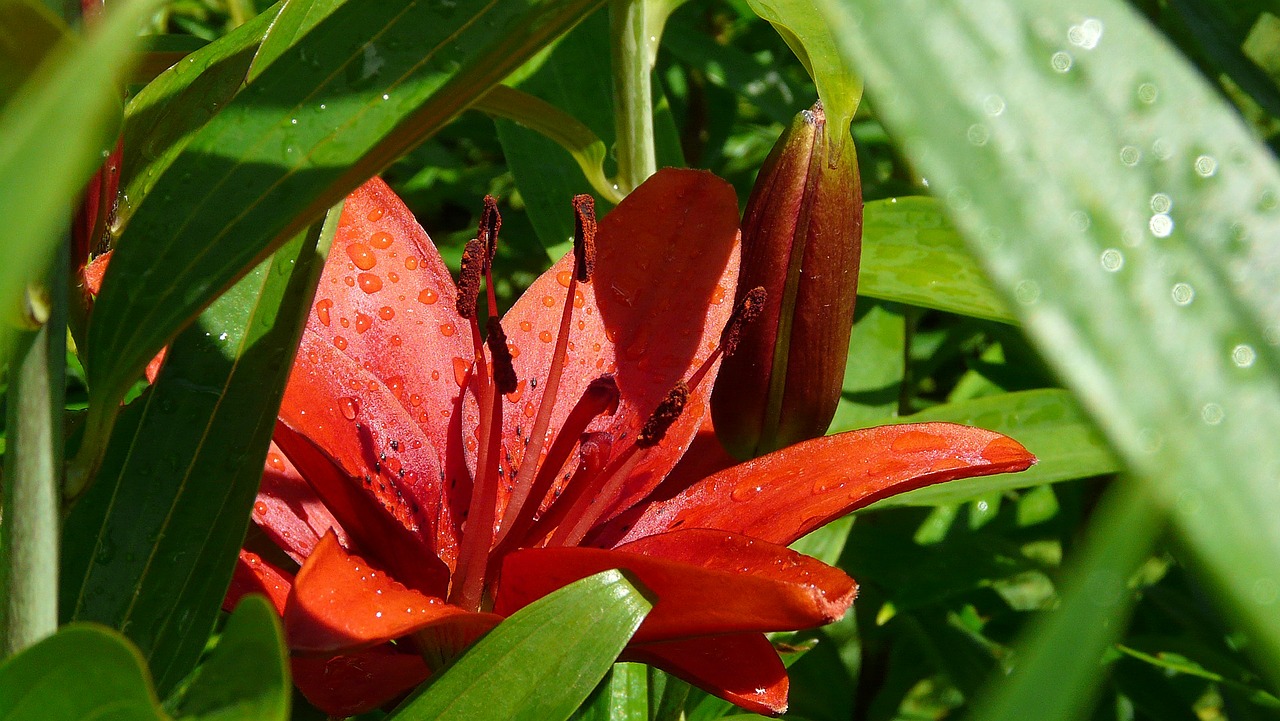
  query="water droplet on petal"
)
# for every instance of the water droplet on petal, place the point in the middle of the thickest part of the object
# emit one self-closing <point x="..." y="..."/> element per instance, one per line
<point x="380" y="240"/>
<point x="340" y="342"/>
<point x="545" y="336"/>
<point x="361" y="255"/>
<point x="350" y="407"/>
<point x="428" y="296"/>
<point x="370" y="283"/>
<point x="322" y="310"/>
<point x="447" y="330"/>
<point x="917" y="442"/>
<point x="386" y="312"/>
<point x="260" y="508"/>
<point x="376" y="214"/>
<point x="363" y="322"/>
<point x="747" y="489"/>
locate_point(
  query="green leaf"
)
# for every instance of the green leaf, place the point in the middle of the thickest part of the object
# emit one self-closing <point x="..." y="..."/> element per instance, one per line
<point x="161" y="118"/>
<point x="82" y="672"/>
<point x="813" y="40"/>
<point x="1057" y="670"/>
<point x="874" y="368"/>
<point x="151" y="547"/>
<point x="28" y="31"/>
<point x="56" y="127"/>
<point x="1131" y="215"/>
<point x="540" y="663"/>
<point x="368" y="82"/>
<point x="623" y="695"/>
<point x="1047" y="421"/>
<point x="911" y="253"/>
<point x="247" y="676"/>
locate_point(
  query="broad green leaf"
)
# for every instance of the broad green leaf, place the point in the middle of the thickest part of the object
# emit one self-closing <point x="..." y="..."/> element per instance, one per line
<point x="164" y="115"/>
<point x="1130" y="214"/>
<point x="368" y="82"/>
<point x="28" y="31"/>
<point x="911" y="253"/>
<point x="247" y="676"/>
<point x="1219" y="29"/>
<point x="813" y="40"/>
<point x="874" y="368"/>
<point x="151" y="547"/>
<point x="1056" y="673"/>
<point x="56" y="127"/>
<point x="540" y="663"/>
<point x="1048" y="422"/>
<point x="295" y="19"/>
<point x="82" y="672"/>
<point x="575" y="78"/>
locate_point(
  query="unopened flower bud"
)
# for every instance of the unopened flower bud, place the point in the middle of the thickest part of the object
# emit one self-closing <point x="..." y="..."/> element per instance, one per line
<point x="801" y="241"/>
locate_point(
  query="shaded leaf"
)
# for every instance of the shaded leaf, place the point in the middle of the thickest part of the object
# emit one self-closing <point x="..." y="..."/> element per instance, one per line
<point x="151" y="547"/>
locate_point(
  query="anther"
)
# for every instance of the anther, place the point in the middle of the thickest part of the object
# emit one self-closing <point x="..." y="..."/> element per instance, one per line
<point x="663" y="416"/>
<point x="487" y="232"/>
<point x="504" y="373"/>
<point x="469" y="278"/>
<point x="584" y="237"/>
<point x="749" y="308"/>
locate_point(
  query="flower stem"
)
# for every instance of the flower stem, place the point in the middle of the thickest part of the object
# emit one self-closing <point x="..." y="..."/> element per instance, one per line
<point x="33" y="466"/>
<point x="632" y="92"/>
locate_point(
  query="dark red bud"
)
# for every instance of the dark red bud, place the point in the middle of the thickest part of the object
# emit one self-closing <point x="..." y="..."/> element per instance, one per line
<point x="801" y="242"/>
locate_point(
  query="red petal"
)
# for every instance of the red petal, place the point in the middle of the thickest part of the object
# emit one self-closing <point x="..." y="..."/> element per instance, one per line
<point x="360" y="682"/>
<point x="667" y="262"/>
<point x="254" y="575"/>
<point x="706" y="582"/>
<point x="289" y="511"/>
<point x="784" y="495"/>
<point x="341" y="603"/>
<point x="742" y="669"/>
<point x="386" y="488"/>
<point x="387" y="300"/>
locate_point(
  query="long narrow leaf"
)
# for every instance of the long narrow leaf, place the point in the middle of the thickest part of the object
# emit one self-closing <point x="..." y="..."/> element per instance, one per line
<point x="540" y="663"/>
<point x="150" y="549"/>
<point x="1131" y="216"/>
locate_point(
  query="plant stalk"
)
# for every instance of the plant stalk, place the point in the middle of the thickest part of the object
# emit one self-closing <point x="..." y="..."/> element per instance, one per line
<point x="33" y="470"/>
<point x="632" y="92"/>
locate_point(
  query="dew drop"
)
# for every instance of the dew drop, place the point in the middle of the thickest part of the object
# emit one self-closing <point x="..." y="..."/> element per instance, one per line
<point x="1161" y="203"/>
<point x="1112" y="260"/>
<point x="460" y="368"/>
<point x="393" y="276"/>
<point x="746" y="490"/>
<point x="528" y="410"/>
<point x="717" y="295"/>
<point x="526" y="326"/>
<point x="349" y="406"/>
<point x="1003" y="450"/>
<point x="376" y="214"/>
<point x="260" y="508"/>
<point x="1061" y="61"/>
<point x="1160" y="225"/>
<point x="340" y="342"/>
<point x="349" y="281"/>
<point x="545" y="336"/>
<point x="361" y="255"/>
<point x="386" y="312"/>
<point x="1243" y="355"/>
<point x="1182" y="293"/>
<point x="1148" y="93"/>
<point x="370" y="283"/>
<point x="411" y="263"/>
<point x="396" y="385"/>
<point x="917" y="442"/>
<point x="978" y="134"/>
<point x="1027" y="292"/>
<point x="1130" y="155"/>
<point x="1206" y="166"/>
<point x="276" y="461"/>
<point x="1212" y="414"/>
<point x="363" y="322"/>
<point x="322" y="310"/>
<point x="993" y="105"/>
<point x="564" y="277"/>
<point x="447" y="330"/>
<point x="428" y="296"/>
<point x="396" y="340"/>
<point x="548" y="301"/>
<point x="380" y="240"/>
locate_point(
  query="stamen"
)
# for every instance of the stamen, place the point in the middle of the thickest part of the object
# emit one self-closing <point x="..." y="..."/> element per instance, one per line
<point x="749" y="308"/>
<point x="584" y="260"/>
<point x="504" y="373"/>
<point x="584" y="237"/>
<point x="487" y="232"/>
<point x="600" y="397"/>
<point x="663" y="416"/>
<point x="469" y="278"/>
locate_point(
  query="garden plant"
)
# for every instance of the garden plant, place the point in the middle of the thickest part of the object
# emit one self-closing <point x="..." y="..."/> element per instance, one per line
<point x="640" y="360"/>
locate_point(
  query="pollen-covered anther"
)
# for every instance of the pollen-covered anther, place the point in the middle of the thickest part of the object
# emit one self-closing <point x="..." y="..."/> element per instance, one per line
<point x="487" y="232"/>
<point x="655" y="429"/>
<point x="584" y="237"/>
<point x="504" y="372"/>
<point x="749" y="308"/>
<point x="469" y="278"/>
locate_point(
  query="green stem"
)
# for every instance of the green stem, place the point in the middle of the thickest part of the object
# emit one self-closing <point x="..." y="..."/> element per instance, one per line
<point x="632" y="92"/>
<point x="33" y="465"/>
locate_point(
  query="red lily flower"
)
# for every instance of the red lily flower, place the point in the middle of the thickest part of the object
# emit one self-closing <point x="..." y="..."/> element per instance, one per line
<point x="429" y="485"/>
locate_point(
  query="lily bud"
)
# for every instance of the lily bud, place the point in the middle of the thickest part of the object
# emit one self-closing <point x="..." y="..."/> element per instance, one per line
<point x="801" y="241"/>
